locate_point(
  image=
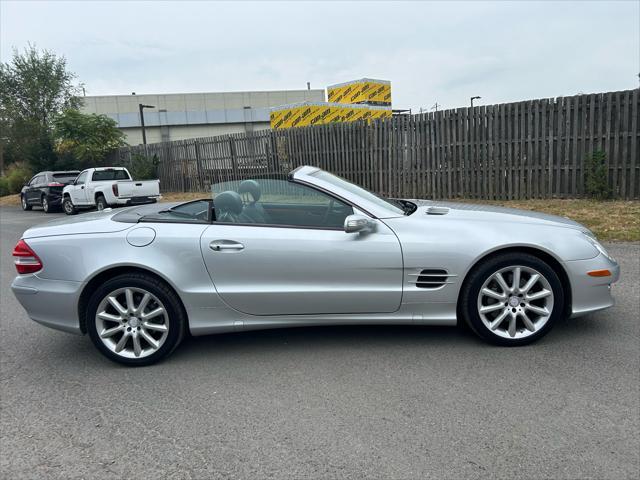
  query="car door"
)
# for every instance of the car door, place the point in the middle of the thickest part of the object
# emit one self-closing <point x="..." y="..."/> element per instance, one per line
<point x="79" y="191"/>
<point x="310" y="266"/>
<point x="31" y="188"/>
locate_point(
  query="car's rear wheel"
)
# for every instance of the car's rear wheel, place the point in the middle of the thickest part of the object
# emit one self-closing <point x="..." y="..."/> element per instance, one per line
<point x="512" y="299"/>
<point x="45" y="204"/>
<point x="23" y="202"/>
<point x="68" y="207"/>
<point x="135" y="319"/>
<point x="101" y="202"/>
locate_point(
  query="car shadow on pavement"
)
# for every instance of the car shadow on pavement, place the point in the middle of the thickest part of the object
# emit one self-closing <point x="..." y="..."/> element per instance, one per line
<point x="329" y="340"/>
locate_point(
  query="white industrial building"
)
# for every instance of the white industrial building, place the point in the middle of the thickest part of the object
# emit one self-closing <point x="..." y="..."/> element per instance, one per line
<point x="179" y="116"/>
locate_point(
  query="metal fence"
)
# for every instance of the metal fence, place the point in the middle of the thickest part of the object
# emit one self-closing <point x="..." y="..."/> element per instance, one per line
<point x="530" y="149"/>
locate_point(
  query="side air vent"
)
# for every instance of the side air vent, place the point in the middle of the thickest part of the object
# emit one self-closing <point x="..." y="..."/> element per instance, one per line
<point x="437" y="211"/>
<point x="431" y="278"/>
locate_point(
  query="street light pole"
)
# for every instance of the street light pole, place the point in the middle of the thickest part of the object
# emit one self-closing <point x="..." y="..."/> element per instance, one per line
<point x="474" y="98"/>
<point x="141" y="107"/>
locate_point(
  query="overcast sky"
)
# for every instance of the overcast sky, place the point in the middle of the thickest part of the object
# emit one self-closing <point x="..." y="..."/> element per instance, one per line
<point x="431" y="51"/>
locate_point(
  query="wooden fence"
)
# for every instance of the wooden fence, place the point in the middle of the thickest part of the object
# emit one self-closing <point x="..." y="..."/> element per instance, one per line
<point x="531" y="149"/>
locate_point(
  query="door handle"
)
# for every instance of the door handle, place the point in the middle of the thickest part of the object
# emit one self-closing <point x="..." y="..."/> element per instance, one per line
<point x="221" y="245"/>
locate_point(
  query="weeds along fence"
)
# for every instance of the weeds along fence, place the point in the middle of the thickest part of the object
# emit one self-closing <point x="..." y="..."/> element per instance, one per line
<point x="531" y="149"/>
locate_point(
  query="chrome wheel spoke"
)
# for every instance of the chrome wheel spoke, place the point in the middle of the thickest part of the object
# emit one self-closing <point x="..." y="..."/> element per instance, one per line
<point x="512" y="326"/>
<point x="538" y="295"/>
<point x="153" y="313"/>
<point x="527" y="322"/>
<point x="543" y="312"/>
<point x="530" y="283"/>
<point x="490" y="293"/>
<point x="492" y="308"/>
<point x="116" y="304"/>
<point x="111" y="331"/>
<point x="154" y="326"/>
<point x="503" y="284"/>
<point x="137" y="348"/>
<point x="496" y="323"/>
<point x="121" y="342"/>
<point x="517" y="272"/>
<point x="109" y="317"/>
<point x="143" y="304"/>
<point x="128" y="295"/>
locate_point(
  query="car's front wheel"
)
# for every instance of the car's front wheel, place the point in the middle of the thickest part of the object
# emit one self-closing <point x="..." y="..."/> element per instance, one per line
<point x="135" y="319"/>
<point x="23" y="202"/>
<point x="512" y="299"/>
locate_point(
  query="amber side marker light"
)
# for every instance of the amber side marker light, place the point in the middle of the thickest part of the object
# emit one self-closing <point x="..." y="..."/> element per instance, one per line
<point x="599" y="273"/>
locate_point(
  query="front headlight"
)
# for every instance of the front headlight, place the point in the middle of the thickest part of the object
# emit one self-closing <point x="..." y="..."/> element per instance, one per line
<point x="592" y="239"/>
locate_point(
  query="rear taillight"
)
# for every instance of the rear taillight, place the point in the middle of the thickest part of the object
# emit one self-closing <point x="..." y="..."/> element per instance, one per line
<point x="56" y="184"/>
<point x="26" y="259"/>
<point x="114" y="188"/>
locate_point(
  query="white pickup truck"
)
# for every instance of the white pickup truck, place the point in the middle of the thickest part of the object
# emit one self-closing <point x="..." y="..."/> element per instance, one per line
<point x="107" y="187"/>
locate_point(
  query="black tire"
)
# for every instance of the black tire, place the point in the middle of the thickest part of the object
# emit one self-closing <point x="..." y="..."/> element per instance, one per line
<point x="25" y="206"/>
<point x="101" y="202"/>
<point x="44" y="201"/>
<point x="68" y="207"/>
<point x="469" y="297"/>
<point x="177" y="319"/>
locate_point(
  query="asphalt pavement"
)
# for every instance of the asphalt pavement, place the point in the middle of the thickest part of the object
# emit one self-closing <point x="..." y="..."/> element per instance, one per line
<point x="333" y="402"/>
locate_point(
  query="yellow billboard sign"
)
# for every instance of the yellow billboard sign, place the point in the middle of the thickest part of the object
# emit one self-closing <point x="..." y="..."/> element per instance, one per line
<point x="306" y="114"/>
<point x="366" y="90"/>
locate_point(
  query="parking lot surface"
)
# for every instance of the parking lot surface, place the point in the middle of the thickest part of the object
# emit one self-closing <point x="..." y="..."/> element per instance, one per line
<point x="347" y="402"/>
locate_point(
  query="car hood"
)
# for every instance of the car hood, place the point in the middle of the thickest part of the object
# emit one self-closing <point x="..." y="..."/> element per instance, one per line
<point x="94" y="222"/>
<point x="490" y="213"/>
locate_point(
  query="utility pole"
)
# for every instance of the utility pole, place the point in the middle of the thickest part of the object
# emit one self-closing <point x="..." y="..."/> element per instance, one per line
<point x="144" y="133"/>
<point x="474" y="98"/>
<point x="435" y="107"/>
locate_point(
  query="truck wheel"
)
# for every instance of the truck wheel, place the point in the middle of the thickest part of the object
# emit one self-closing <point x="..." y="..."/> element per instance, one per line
<point x="25" y="205"/>
<point x="101" y="202"/>
<point x="67" y="206"/>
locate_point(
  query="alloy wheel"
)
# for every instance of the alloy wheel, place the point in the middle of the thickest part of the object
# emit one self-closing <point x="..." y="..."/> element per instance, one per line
<point x="515" y="302"/>
<point x="45" y="204"/>
<point x="132" y="322"/>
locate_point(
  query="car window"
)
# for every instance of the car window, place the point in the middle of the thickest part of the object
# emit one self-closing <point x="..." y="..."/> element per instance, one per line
<point x="65" y="177"/>
<point x="103" y="175"/>
<point x="274" y="202"/>
<point x="82" y="178"/>
<point x="39" y="180"/>
<point x="198" y="211"/>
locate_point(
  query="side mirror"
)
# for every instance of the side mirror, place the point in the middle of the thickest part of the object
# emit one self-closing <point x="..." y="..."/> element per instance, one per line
<point x="358" y="223"/>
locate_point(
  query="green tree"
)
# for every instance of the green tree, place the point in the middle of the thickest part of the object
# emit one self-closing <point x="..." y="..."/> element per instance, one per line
<point x="85" y="139"/>
<point x="35" y="86"/>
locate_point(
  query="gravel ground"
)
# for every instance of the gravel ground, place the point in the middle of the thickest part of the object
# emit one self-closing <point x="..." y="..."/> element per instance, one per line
<point x="348" y="402"/>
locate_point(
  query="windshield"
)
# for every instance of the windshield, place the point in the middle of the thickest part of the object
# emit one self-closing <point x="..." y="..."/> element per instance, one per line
<point x="396" y="206"/>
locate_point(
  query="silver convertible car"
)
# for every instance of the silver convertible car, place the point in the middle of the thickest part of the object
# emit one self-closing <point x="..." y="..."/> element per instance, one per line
<point x="312" y="249"/>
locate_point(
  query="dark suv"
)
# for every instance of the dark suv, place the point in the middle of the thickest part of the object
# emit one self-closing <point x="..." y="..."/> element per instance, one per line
<point x="45" y="189"/>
